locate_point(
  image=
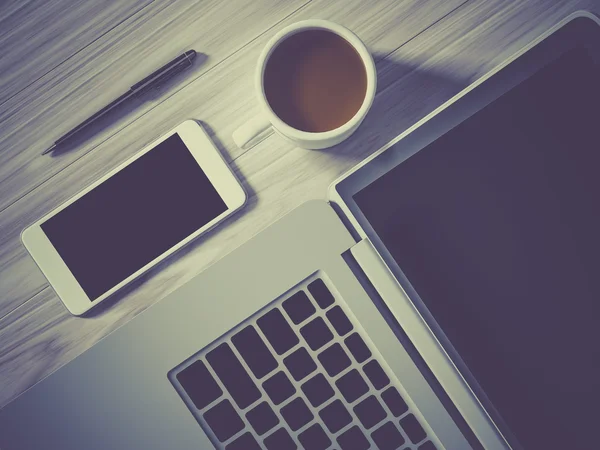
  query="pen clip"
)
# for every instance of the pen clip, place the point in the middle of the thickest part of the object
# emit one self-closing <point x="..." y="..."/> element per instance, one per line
<point x="160" y="76"/>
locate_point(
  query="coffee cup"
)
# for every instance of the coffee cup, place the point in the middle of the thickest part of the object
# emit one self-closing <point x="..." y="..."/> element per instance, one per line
<point x="315" y="82"/>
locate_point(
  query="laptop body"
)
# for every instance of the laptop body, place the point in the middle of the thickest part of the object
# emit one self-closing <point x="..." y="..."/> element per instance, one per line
<point x="324" y="343"/>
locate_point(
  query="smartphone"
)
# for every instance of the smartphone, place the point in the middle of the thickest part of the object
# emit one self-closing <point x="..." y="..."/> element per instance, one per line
<point x="135" y="216"/>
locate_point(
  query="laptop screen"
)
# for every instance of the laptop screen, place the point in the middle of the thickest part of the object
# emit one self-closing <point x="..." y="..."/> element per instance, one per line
<point x="497" y="227"/>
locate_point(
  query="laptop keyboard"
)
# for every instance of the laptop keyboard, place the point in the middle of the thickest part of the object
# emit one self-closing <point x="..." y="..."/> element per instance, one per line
<point x="300" y="373"/>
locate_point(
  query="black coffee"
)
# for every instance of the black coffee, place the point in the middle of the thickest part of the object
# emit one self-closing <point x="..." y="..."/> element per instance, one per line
<point x="315" y="81"/>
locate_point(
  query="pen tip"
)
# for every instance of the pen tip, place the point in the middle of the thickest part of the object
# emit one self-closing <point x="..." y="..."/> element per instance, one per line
<point x="49" y="149"/>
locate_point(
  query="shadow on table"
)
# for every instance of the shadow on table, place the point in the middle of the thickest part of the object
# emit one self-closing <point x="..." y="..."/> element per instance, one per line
<point x="405" y="94"/>
<point x="128" y="108"/>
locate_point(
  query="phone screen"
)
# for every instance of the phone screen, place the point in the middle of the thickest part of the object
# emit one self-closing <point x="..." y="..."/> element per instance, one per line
<point x="134" y="216"/>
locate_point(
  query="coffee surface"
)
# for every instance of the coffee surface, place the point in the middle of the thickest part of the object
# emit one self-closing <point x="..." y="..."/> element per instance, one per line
<point x="315" y="81"/>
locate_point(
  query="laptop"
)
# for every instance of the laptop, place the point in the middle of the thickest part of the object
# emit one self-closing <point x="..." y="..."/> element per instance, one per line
<point x="444" y="297"/>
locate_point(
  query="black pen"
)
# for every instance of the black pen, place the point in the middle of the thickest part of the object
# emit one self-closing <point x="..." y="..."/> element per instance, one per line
<point x="150" y="82"/>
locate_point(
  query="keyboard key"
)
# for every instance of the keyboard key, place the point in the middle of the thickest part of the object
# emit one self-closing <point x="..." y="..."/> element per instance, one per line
<point x="316" y="333"/>
<point x="299" y="307"/>
<point x="334" y="359"/>
<point x="369" y="412"/>
<point x="353" y="439"/>
<point x="335" y="416"/>
<point x="427" y="446"/>
<point x="280" y="440"/>
<point x="394" y="401"/>
<point x="296" y="414"/>
<point x="223" y="420"/>
<point x="300" y="364"/>
<point x="199" y="384"/>
<point x="413" y="428"/>
<point x="376" y="374"/>
<point x="314" y="438"/>
<point x="262" y="418"/>
<point x="320" y="293"/>
<point x="254" y="351"/>
<point x="339" y="320"/>
<point x="317" y="390"/>
<point x="278" y="332"/>
<point x="233" y="375"/>
<point x="279" y="388"/>
<point x="358" y="348"/>
<point x="387" y="437"/>
<point x="352" y="386"/>
<point x="245" y="442"/>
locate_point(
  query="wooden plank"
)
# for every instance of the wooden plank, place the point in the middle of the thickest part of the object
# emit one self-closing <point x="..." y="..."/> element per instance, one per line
<point x="68" y="26"/>
<point x="224" y="95"/>
<point x="212" y="29"/>
<point x="61" y="99"/>
<point x="419" y="76"/>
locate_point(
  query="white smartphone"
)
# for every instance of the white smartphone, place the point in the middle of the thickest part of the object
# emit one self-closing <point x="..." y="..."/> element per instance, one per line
<point x="135" y="216"/>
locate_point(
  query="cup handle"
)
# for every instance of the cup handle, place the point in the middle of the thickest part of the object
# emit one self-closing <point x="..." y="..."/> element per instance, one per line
<point x="249" y="133"/>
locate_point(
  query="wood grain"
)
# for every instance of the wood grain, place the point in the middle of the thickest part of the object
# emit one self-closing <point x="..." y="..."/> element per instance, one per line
<point x="33" y="42"/>
<point x="228" y="83"/>
<point x="417" y="76"/>
<point x="32" y="120"/>
<point x="25" y="169"/>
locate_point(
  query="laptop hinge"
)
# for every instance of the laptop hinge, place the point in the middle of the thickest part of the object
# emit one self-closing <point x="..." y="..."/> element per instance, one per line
<point x="391" y="293"/>
<point x="426" y="350"/>
<point x="377" y="271"/>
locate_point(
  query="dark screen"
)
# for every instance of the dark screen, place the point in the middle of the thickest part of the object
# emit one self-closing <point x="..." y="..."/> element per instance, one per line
<point x="134" y="217"/>
<point x="496" y="225"/>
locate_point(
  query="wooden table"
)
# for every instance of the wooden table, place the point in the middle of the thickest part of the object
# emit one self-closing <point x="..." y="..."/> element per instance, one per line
<point x="81" y="54"/>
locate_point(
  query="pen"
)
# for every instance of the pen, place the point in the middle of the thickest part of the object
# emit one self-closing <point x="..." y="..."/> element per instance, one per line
<point x="150" y="82"/>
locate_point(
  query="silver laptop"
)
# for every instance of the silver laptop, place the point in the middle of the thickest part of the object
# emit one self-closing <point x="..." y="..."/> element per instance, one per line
<point x="445" y="297"/>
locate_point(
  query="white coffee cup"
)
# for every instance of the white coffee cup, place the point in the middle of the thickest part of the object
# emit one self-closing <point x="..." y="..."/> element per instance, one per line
<point x="250" y="131"/>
